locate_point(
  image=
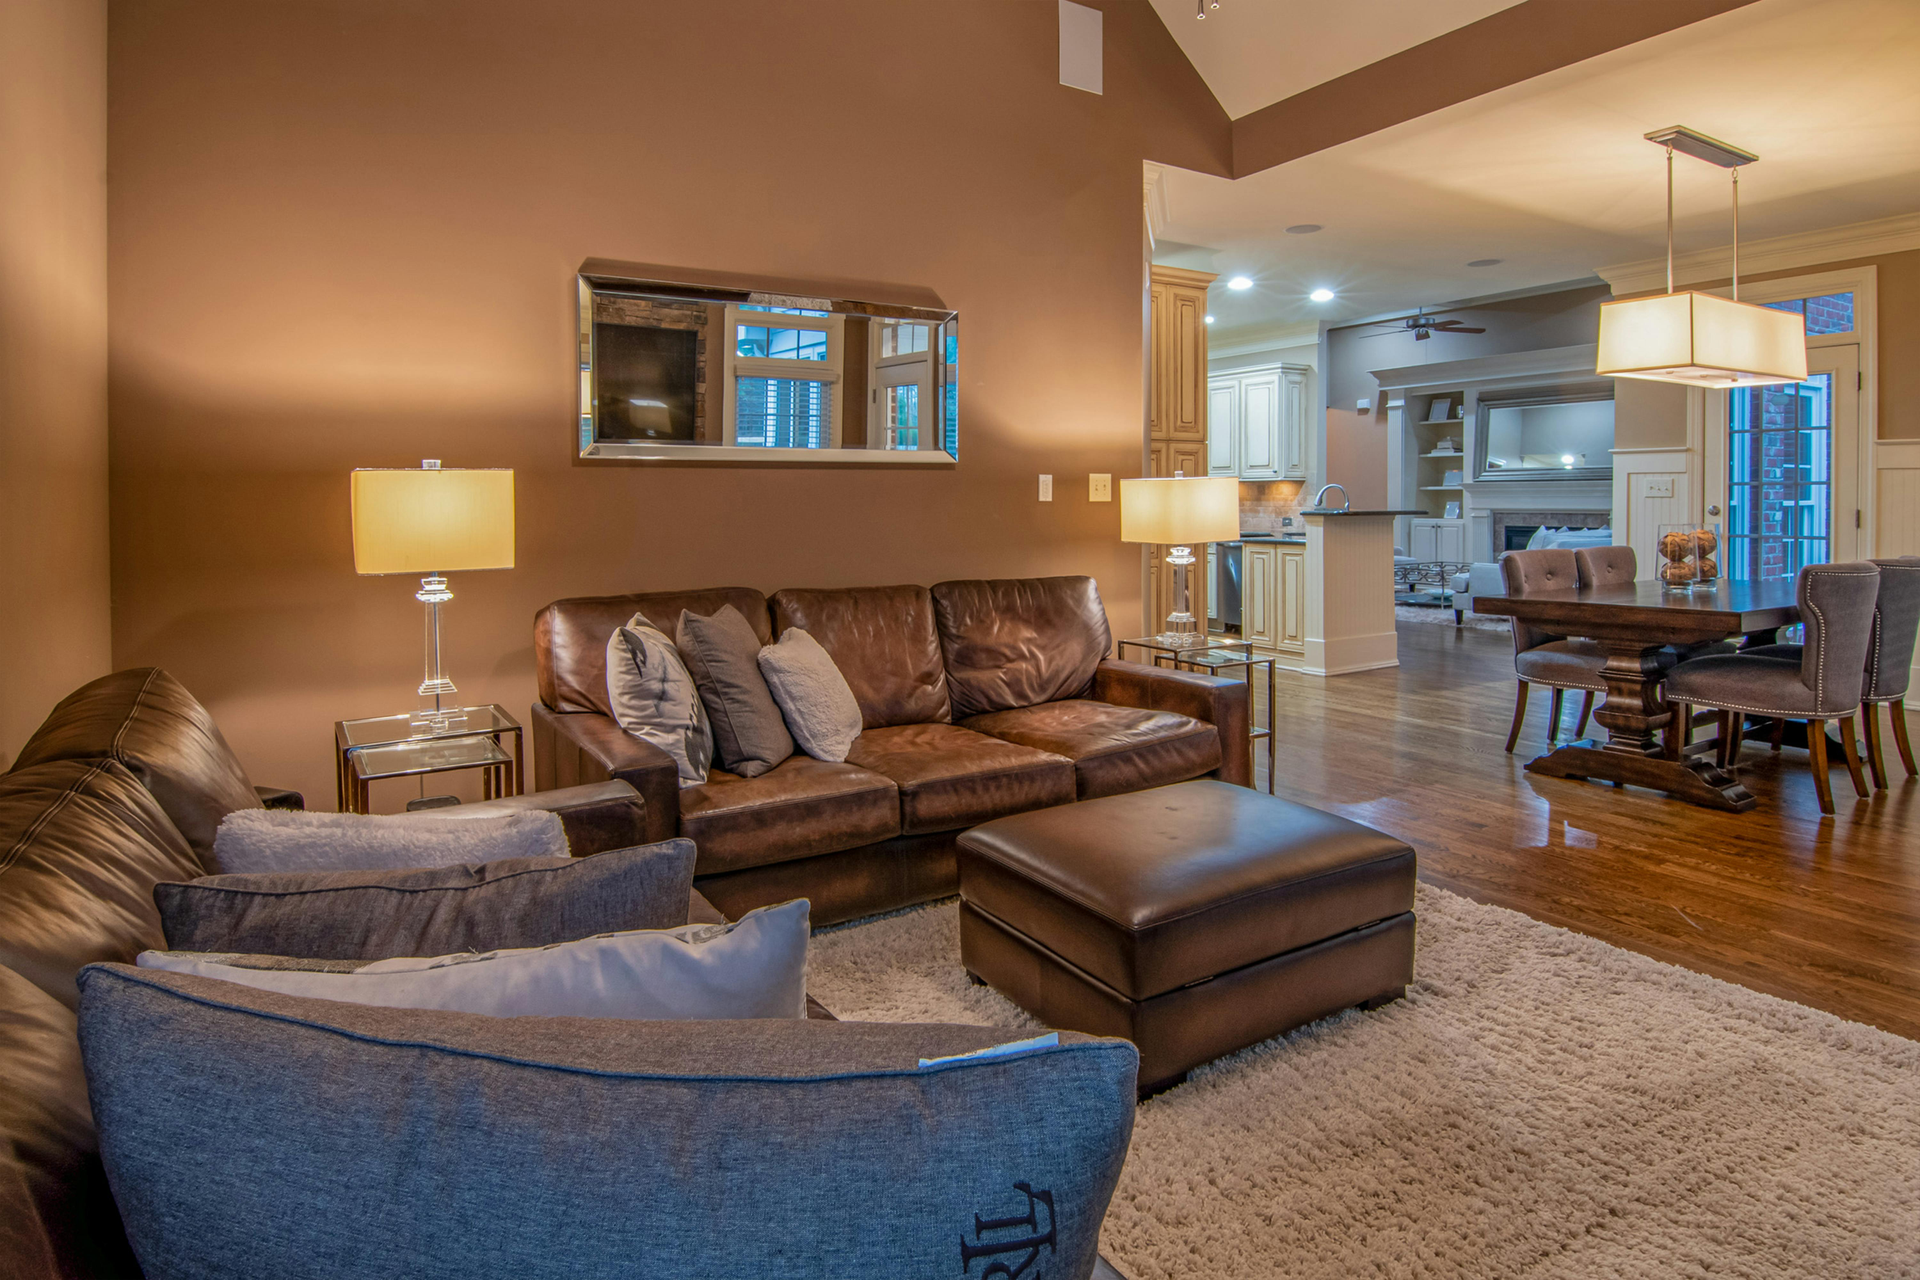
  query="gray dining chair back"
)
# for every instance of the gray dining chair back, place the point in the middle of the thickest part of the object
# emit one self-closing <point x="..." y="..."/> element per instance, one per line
<point x="1606" y="566"/>
<point x="1837" y="605"/>
<point x="1531" y="572"/>
<point x="1896" y="625"/>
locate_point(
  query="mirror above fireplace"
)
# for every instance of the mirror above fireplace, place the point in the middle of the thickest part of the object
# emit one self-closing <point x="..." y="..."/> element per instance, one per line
<point x="1559" y="434"/>
<point x="756" y="373"/>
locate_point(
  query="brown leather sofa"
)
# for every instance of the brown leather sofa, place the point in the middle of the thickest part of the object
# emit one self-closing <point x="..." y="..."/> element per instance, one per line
<point x="980" y="699"/>
<point x="122" y="787"/>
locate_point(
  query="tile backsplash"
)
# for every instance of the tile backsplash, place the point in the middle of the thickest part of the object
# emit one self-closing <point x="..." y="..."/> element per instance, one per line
<point x="1264" y="502"/>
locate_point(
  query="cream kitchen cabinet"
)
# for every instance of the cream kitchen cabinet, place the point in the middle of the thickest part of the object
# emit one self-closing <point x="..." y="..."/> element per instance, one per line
<point x="1273" y="603"/>
<point x="1437" y="540"/>
<point x="1257" y="423"/>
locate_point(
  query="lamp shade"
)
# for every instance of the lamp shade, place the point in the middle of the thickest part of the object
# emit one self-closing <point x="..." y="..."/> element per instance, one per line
<point x="1701" y="340"/>
<point x="1180" y="510"/>
<point x="432" y="521"/>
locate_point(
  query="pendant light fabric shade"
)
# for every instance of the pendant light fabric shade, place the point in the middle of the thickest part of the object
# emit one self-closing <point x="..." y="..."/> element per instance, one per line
<point x="1180" y="510"/>
<point x="432" y="521"/>
<point x="1701" y="340"/>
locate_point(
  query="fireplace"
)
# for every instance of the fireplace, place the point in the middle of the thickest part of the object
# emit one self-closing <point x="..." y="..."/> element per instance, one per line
<point x="1512" y="529"/>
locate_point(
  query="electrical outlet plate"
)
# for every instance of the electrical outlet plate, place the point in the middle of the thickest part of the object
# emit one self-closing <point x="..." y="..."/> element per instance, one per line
<point x="1100" y="487"/>
<point x="1046" y="488"/>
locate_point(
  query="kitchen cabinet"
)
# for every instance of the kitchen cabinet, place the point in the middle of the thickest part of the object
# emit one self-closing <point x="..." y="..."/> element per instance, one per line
<point x="1293" y="600"/>
<point x="1177" y="415"/>
<point x="1257" y="428"/>
<point x="1429" y="540"/>
<point x="1273" y="599"/>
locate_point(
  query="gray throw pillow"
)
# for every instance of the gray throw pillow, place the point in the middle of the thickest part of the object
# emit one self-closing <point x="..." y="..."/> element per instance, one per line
<point x="819" y="707"/>
<point x="294" y="840"/>
<point x="755" y="967"/>
<point x="430" y="911"/>
<point x="249" y="1134"/>
<point x="723" y="653"/>
<point x="654" y="700"/>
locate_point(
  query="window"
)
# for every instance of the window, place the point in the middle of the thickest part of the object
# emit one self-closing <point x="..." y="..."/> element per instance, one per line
<point x="766" y="343"/>
<point x="902" y="339"/>
<point x="1828" y="313"/>
<point x="1779" y="478"/>
<point x="903" y="416"/>
<point x="783" y="413"/>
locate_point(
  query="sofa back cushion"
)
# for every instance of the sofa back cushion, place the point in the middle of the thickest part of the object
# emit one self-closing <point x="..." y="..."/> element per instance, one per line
<point x="347" y="1133"/>
<point x="146" y="720"/>
<point x="1019" y="642"/>
<point x="884" y="642"/>
<point x="570" y="637"/>
<point x="82" y="844"/>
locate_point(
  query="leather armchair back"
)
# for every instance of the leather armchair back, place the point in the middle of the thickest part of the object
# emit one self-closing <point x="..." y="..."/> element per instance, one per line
<point x="570" y="636"/>
<point x="884" y="642"/>
<point x="1837" y="605"/>
<point x="1530" y="572"/>
<point x="1019" y="642"/>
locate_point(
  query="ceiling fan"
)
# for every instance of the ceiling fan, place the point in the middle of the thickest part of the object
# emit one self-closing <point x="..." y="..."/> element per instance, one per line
<point x="1422" y="325"/>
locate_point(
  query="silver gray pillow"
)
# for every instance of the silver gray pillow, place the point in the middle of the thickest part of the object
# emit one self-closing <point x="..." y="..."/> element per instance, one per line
<point x="723" y="654"/>
<point x="819" y="707"/>
<point x="295" y="840"/>
<point x="430" y="911"/>
<point x="654" y="700"/>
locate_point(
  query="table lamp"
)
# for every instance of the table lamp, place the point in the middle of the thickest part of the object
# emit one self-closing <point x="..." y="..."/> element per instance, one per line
<point x="1177" y="512"/>
<point x="432" y="521"/>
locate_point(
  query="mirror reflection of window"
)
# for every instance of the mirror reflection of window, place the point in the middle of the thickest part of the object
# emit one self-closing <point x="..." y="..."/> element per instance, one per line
<point x="781" y="378"/>
<point x="903" y="380"/>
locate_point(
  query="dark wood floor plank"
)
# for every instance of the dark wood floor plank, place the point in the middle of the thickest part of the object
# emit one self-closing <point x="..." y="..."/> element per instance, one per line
<point x="1821" y="910"/>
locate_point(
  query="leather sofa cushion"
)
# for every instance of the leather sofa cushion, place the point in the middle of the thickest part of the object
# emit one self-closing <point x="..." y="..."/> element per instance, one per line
<point x="800" y="807"/>
<point x="1113" y="749"/>
<point x="146" y="720"/>
<point x="950" y="777"/>
<point x="81" y="846"/>
<point x="570" y="637"/>
<point x="884" y="642"/>
<point x="1017" y="642"/>
<point x="57" y="1218"/>
<point x="1157" y="889"/>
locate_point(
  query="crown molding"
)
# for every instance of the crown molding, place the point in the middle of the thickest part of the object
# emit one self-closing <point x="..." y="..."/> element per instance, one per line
<point x="1897" y="234"/>
<point x="1252" y="338"/>
<point x="1153" y="196"/>
<point x="1575" y="361"/>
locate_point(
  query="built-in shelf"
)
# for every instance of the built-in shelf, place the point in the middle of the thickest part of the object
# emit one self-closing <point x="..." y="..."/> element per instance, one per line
<point x="1441" y="488"/>
<point x="1446" y="453"/>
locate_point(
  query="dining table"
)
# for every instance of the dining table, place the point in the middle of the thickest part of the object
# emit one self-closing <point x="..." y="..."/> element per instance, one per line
<point x="1633" y="623"/>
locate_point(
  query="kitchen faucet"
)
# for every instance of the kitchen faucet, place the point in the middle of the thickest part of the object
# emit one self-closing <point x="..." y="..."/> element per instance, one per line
<point x="1319" y="499"/>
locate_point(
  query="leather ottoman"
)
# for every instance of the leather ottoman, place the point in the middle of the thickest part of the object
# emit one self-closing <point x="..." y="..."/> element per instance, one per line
<point x="1193" y="920"/>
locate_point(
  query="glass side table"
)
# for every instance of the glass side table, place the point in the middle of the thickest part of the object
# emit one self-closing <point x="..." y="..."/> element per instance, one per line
<point x="391" y="747"/>
<point x="1211" y="656"/>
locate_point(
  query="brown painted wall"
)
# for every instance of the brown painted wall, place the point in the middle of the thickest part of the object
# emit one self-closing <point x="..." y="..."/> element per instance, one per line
<point x="1662" y="419"/>
<point x="343" y="234"/>
<point x="54" y="628"/>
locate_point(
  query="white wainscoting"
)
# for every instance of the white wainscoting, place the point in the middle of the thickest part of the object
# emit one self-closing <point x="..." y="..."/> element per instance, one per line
<point x="1896" y="505"/>
<point x="1651" y="487"/>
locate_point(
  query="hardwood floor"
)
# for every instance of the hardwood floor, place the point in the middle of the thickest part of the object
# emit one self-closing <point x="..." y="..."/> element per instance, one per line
<point x="1823" y="911"/>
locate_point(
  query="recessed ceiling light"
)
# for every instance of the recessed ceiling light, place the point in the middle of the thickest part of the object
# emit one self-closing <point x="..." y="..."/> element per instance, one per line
<point x="1209" y="319"/>
<point x="1303" y="229"/>
<point x="1321" y="295"/>
<point x="1486" y="262"/>
<point x="1239" y="282"/>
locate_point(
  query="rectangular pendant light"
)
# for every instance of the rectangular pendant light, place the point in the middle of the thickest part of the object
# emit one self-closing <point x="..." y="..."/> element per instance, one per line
<point x="1701" y="340"/>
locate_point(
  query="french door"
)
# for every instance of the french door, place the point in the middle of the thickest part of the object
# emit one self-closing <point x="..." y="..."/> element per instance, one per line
<point x="1783" y="470"/>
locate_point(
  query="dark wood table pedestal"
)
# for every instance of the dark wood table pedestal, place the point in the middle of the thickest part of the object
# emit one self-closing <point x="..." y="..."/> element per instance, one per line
<point x="1633" y="624"/>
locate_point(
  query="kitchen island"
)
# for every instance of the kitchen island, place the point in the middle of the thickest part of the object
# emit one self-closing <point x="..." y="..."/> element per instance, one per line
<point x="1323" y="603"/>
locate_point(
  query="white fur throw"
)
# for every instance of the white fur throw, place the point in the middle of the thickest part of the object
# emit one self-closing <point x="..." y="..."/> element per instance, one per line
<point x="291" y="840"/>
<point x="814" y="698"/>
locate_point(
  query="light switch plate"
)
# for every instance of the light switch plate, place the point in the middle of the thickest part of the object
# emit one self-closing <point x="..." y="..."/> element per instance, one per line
<point x="1659" y="487"/>
<point x="1100" y="487"/>
<point x="1046" y="488"/>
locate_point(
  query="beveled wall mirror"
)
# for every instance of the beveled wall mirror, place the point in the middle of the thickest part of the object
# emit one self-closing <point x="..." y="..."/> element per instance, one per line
<point x="1564" y="433"/>
<point x="690" y="372"/>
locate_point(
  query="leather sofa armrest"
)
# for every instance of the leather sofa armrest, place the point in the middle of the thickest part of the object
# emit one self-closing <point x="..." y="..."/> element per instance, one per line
<point x="598" y="816"/>
<point x="575" y="747"/>
<point x="1227" y="705"/>
<point x="280" y="798"/>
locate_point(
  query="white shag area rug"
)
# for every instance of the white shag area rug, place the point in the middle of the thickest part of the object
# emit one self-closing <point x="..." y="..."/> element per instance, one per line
<point x="1442" y="616"/>
<point x="1541" y="1104"/>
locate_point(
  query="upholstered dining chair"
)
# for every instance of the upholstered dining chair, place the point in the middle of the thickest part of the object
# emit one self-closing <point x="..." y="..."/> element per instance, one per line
<point x="1540" y="657"/>
<point x="1896" y="623"/>
<point x="1620" y="567"/>
<point x="1837" y="607"/>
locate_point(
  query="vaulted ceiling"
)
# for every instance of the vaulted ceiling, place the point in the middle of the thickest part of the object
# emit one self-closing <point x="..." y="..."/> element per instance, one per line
<point x="1550" y="175"/>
